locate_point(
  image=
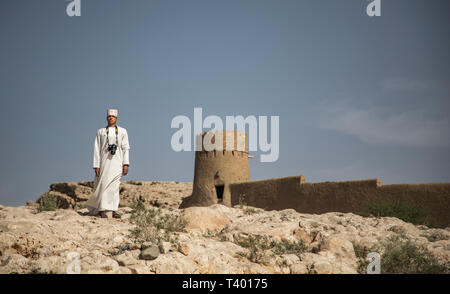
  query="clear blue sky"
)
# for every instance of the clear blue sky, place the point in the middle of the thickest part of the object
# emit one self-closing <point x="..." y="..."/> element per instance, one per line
<point x="358" y="97"/>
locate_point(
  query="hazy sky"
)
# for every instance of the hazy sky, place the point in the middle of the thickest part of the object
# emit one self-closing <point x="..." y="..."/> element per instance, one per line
<point x="358" y="97"/>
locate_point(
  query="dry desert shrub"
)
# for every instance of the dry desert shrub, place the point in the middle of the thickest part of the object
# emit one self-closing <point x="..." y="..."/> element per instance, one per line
<point x="400" y="255"/>
<point x="153" y="225"/>
<point x="257" y="246"/>
<point x="406" y="211"/>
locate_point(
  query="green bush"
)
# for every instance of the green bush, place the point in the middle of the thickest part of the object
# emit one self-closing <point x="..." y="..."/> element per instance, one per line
<point x="152" y="225"/>
<point x="403" y="256"/>
<point x="258" y="244"/>
<point x="406" y="211"/>
<point x="48" y="202"/>
<point x="135" y="183"/>
<point x="285" y="247"/>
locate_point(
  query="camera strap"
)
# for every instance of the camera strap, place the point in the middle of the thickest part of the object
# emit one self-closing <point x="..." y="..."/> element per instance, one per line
<point x="107" y="135"/>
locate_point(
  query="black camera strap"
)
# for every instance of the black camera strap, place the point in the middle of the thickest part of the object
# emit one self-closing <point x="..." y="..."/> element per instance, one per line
<point x="107" y="136"/>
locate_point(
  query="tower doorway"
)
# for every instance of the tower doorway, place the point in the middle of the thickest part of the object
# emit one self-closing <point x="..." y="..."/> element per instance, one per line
<point x="219" y="193"/>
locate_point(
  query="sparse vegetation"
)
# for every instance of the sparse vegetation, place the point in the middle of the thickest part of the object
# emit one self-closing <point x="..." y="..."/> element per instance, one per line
<point x="211" y="234"/>
<point x="406" y="257"/>
<point x="259" y="244"/>
<point x="137" y="183"/>
<point x="315" y="225"/>
<point x="282" y="263"/>
<point x="152" y="225"/>
<point x="48" y="202"/>
<point x="285" y="247"/>
<point x="217" y="234"/>
<point x="120" y="249"/>
<point x="406" y="211"/>
<point x="251" y="210"/>
<point x="361" y="253"/>
<point x="243" y="205"/>
<point x="286" y="216"/>
<point x="436" y="236"/>
<point x="401" y="255"/>
<point x="256" y="245"/>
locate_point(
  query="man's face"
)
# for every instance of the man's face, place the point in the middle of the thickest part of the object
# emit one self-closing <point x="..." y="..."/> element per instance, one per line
<point x="111" y="119"/>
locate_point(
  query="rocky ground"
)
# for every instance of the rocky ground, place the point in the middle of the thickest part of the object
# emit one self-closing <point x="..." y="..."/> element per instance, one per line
<point x="216" y="239"/>
<point x="164" y="194"/>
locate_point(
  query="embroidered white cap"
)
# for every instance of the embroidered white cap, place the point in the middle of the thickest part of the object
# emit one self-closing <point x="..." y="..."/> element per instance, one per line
<point x="113" y="112"/>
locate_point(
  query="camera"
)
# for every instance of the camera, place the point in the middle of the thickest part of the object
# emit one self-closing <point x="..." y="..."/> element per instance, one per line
<point x="112" y="148"/>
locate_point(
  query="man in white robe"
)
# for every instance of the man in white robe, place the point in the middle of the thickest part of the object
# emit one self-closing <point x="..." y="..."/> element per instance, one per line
<point x="109" y="167"/>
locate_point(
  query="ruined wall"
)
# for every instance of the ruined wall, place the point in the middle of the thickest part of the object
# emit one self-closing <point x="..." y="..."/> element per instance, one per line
<point x="433" y="197"/>
<point x="347" y="196"/>
<point x="268" y="194"/>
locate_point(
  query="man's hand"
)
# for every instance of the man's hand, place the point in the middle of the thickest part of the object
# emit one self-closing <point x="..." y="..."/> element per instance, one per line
<point x="125" y="170"/>
<point x="97" y="171"/>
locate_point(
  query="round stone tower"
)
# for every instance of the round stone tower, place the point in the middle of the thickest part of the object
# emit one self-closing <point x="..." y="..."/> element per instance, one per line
<point x="217" y="166"/>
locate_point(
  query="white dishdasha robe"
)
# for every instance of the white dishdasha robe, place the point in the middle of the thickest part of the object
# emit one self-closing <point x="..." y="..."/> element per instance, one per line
<point x="106" y="185"/>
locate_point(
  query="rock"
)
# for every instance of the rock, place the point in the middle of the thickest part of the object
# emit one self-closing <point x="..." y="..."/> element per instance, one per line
<point x="146" y="245"/>
<point x="322" y="267"/>
<point x="128" y="258"/>
<point x="165" y="264"/>
<point x="339" y="247"/>
<point x="298" y="268"/>
<point x="139" y="269"/>
<point x="123" y="270"/>
<point x="61" y="200"/>
<point x="14" y="263"/>
<point x="166" y="247"/>
<point x="183" y="248"/>
<point x="150" y="253"/>
<point x="97" y="263"/>
<point x="300" y="234"/>
<point x="32" y="204"/>
<point x="77" y="191"/>
<point x="49" y="265"/>
<point x="205" y="218"/>
<point x="43" y="242"/>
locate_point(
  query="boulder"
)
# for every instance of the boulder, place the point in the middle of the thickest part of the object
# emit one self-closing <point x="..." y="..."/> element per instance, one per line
<point x="183" y="248"/>
<point x="205" y="218"/>
<point x="150" y="253"/>
<point x="339" y="247"/>
<point x="166" y="247"/>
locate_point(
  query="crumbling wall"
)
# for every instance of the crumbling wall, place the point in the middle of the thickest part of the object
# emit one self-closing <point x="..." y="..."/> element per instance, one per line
<point x="268" y="194"/>
<point x="433" y="198"/>
<point x="346" y="196"/>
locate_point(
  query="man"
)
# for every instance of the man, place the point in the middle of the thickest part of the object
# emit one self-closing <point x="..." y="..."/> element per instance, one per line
<point x="111" y="162"/>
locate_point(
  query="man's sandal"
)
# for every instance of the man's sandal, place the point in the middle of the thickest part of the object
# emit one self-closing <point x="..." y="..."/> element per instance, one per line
<point x="116" y="215"/>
